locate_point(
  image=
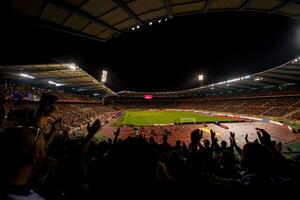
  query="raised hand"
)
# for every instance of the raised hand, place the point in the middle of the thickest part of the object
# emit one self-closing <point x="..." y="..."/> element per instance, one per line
<point x="196" y="135"/>
<point x="212" y="134"/>
<point x="95" y="127"/>
<point x="264" y="137"/>
<point x="232" y="139"/>
<point x="246" y="138"/>
<point x="117" y="132"/>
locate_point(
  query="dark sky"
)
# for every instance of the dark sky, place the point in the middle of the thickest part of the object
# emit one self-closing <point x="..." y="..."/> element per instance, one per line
<point x="166" y="56"/>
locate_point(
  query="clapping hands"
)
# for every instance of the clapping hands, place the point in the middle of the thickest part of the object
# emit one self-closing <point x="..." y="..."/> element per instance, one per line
<point x="94" y="128"/>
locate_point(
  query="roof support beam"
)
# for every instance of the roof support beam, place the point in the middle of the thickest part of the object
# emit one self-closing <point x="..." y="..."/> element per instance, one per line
<point x="55" y="27"/>
<point x="245" y="5"/>
<point x="281" y="76"/>
<point x="282" y="4"/>
<point x="239" y="85"/>
<point x="68" y="7"/>
<point x="79" y="84"/>
<point x="207" y="5"/>
<point x="129" y="12"/>
<point x="289" y="67"/>
<point x="18" y="70"/>
<point x="57" y="78"/>
<point x="287" y="71"/>
<point x="168" y="8"/>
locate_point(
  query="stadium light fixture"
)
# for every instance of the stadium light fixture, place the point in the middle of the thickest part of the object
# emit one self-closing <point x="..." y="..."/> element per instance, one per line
<point x="200" y="77"/>
<point x="72" y="66"/>
<point x="137" y="27"/>
<point x="150" y="23"/>
<point x="159" y="21"/>
<point x="258" y="79"/>
<point x="104" y="76"/>
<point x="56" y="84"/>
<point x="26" y="76"/>
<point x="133" y="28"/>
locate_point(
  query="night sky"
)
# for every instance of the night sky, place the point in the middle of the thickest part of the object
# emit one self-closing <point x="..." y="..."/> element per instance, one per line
<point x="165" y="56"/>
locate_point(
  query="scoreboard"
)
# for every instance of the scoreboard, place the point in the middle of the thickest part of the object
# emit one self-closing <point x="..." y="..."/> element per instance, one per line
<point x="148" y="96"/>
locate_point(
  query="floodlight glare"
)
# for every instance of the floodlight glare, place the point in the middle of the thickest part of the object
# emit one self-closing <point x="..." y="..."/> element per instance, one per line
<point x="72" y="66"/>
<point x="258" y="79"/>
<point x="150" y="23"/>
<point x="56" y="84"/>
<point x="133" y="28"/>
<point x="159" y="21"/>
<point x="26" y="76"/>
<point x="137" y="26"/>
<point x="200" y="77"/>
<point x="104" y="76"/>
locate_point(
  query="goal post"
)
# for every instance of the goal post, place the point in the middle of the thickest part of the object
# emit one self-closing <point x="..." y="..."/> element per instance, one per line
<point x="187" y="120"/>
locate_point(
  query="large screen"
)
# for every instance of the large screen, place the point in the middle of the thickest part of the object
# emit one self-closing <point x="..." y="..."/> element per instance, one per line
<point x="148" y="96"/>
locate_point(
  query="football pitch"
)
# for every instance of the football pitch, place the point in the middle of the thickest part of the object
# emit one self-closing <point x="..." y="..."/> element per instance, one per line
<point x="144" y="118"/>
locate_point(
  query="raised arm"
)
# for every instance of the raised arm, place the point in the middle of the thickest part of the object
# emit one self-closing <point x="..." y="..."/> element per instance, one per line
<point x="116" y="133"/>
<point x="246" y="139"/>
<point x="234" y="144"/>
<point x="50" y="136"/>
<point x="92" y="130"/>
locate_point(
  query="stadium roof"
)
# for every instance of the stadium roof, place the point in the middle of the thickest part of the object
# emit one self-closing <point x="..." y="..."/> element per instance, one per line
<point x="104" y="19"/>
<point x="286" y="74"/>
<point x="60" y="76"/>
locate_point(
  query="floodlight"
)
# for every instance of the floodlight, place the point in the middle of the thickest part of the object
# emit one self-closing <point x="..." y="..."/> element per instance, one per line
<point x="72" y="66"/>
<point x="56" y="84"/>
<point x="104" y="76"/>
<point x="200" y="77"/>
<point x="258" y="79"/>
<point x="26" y="76"/>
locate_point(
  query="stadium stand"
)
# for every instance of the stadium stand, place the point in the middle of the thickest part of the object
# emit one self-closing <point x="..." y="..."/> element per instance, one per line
<point x="52" y="114"/>
<point x="62" y="126"/>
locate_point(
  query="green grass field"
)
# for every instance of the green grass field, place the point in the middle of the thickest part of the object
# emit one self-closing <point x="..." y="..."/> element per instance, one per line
<point x="143" y="118"/>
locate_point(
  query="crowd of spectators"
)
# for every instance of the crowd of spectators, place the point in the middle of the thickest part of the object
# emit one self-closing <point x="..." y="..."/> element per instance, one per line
<point x="273" y="106"/>
<point x="41" y="160"/>
<point x="271" y="102"/>
<point x="28" y="92"/>
<point x="37" y="164"/>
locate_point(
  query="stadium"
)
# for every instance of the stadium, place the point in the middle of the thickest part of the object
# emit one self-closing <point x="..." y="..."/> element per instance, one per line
<point x="92" y="107"/>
